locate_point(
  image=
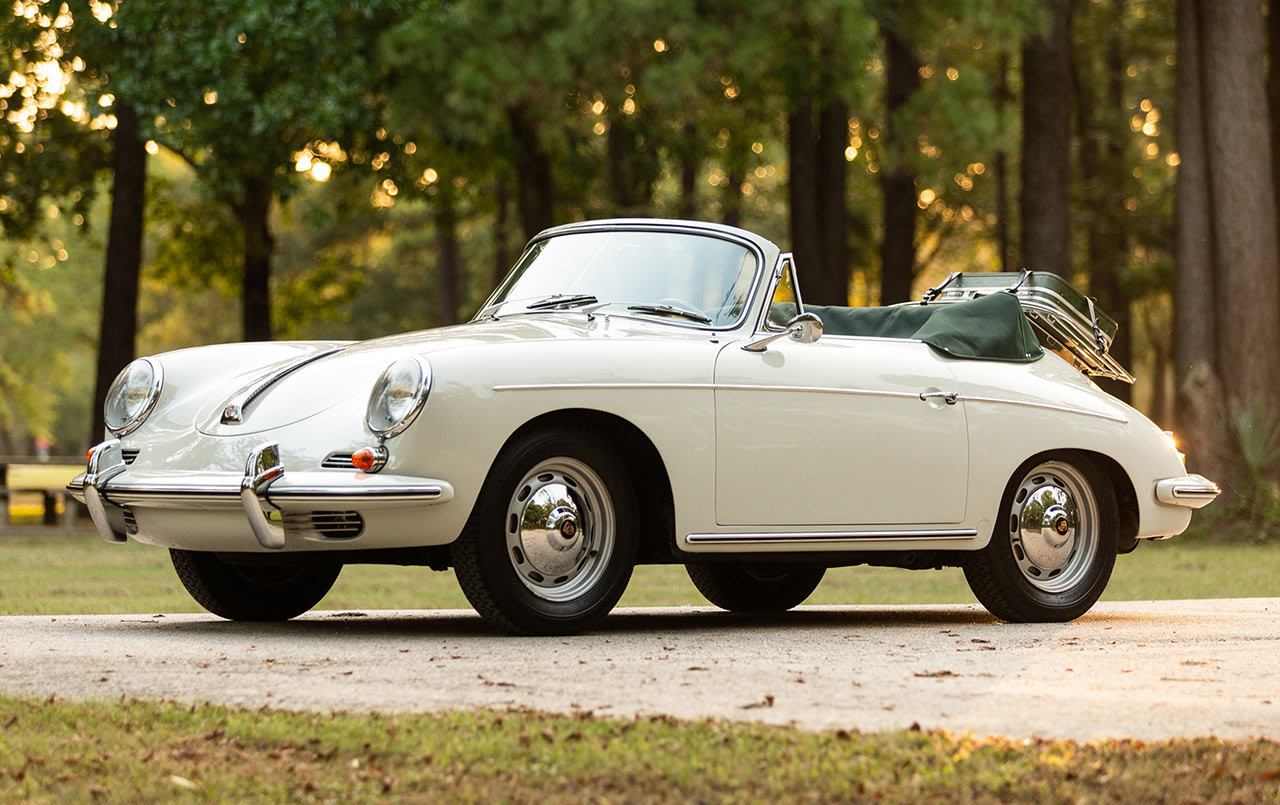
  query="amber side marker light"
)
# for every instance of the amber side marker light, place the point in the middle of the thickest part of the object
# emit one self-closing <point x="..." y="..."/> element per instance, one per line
<point x="367" y="459"/>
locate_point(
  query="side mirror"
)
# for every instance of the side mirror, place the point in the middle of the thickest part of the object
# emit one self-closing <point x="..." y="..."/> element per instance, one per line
<point x="805" y="329"/>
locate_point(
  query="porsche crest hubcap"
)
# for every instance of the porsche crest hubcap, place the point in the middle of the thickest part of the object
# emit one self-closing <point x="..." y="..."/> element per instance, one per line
<point x="560" y="529"/>
<point x="1053" y="526"/>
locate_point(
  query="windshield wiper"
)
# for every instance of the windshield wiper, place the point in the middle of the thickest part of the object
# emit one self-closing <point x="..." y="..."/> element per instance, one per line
<point x="562" y="300"/>
<point x="671" y="310"/>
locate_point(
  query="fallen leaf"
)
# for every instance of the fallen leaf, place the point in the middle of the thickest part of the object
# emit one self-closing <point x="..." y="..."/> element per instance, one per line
<point x="183" y="782"/>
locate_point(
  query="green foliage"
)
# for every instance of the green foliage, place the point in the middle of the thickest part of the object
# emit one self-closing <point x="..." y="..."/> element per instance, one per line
<point x="236" y="89"/>
<point x="1255" y="427"/>
<point x="47" y="333"/>
<point x="49" y="146"/>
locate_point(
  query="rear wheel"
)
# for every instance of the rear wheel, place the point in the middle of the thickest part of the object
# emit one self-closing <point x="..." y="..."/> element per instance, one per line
<point x="253" y="592"/>
<point x="552" y="542"/>
<point x="1054" y="544"/>
<point x="756" y="587"/>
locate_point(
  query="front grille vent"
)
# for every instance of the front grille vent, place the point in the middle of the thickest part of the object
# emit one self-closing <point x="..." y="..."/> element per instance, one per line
<point x="130" y="522"/>
<point x="324" y="525"/>
<point x="130" y="455"/>
<point x="337" y="461"/>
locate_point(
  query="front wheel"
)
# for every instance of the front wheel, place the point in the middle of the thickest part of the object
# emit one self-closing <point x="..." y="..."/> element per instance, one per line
<point x="551" y="545"/>
<point x="253" y="592"/>
<point x="755" y="587"/>
<point x="1054" y="544"/>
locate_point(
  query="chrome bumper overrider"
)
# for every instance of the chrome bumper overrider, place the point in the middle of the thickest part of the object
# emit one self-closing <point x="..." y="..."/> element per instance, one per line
<point x="1192" y="491"/>
<point x="261" y="491"/>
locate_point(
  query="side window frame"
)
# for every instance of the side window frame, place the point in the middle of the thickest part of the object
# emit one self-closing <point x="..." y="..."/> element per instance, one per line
<point x="786" y="271"/>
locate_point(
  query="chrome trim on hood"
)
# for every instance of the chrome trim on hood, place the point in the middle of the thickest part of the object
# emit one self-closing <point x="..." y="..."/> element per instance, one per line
<point x="233" y="412"/>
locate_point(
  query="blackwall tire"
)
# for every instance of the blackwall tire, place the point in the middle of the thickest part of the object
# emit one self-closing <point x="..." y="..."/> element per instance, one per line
<point x="756" y="587"/>
<point x="1054" y="543"/>
<point x="552" y="542"/>
<point x="253" y="592"/>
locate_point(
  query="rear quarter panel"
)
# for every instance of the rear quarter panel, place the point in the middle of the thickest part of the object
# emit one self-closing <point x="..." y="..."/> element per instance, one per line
<point x="1016" y="411"/>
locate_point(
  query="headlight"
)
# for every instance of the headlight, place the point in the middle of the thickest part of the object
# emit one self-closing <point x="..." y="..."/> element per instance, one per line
<point x="132" y="396"/>
<point x="398" y="396"/>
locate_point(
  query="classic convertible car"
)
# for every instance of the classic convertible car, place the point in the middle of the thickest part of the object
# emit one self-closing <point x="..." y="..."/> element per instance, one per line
<point x="641" y="391"/>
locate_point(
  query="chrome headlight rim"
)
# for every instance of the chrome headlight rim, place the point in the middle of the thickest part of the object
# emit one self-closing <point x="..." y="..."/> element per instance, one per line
<point x="122" y="419"/>
<point x="379" y="417"/>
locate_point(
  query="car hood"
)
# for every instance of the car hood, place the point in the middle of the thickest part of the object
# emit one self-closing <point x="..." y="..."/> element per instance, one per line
<point x="312" y="384"/>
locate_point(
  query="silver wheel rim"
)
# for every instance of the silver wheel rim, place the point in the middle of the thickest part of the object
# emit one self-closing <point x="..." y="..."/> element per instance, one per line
<point x="560" y="529"/>
<point x="1053" y="527"/>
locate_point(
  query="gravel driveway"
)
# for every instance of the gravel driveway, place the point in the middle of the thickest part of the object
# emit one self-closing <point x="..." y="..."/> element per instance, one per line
<point x="1148" y="670"/>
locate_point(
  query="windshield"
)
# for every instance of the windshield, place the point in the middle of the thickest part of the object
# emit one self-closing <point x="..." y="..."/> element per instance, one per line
<point x="678" y="276"/>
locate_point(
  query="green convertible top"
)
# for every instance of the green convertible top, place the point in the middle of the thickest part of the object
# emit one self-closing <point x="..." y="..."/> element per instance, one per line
<point x="991" y="327"/>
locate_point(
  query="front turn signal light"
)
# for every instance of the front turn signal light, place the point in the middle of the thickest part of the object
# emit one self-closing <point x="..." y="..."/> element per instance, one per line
<point x="369" y="459"/>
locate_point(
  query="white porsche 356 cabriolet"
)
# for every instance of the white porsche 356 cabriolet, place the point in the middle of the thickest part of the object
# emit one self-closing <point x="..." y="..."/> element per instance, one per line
<point x="645" y="391"/>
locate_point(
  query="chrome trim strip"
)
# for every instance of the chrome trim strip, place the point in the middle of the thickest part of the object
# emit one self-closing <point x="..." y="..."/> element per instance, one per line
<point x="401" y="494"/>
<point x="226" y="497"/>
<point x="702" y="387"/>
<point x="106" y="461"/>
<point x="825" y="537"/>
<point x="607" y="386"/>
<point x="1063" y="409"/>
<point x="233" y="412"/>
<point x="806" y="389"/>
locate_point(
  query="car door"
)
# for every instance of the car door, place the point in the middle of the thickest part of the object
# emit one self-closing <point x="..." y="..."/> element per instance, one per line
<point x="842" y="432"/>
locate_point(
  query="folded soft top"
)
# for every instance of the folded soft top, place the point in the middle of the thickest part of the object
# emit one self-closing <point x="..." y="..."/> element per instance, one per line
<point x="991" y="327"/>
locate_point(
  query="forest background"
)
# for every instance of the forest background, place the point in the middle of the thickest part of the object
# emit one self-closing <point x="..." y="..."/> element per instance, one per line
<point x="179" y="173"/>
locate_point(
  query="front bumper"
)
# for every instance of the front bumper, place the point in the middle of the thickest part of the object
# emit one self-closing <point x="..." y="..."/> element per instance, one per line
<point x="262" y="491"/>
<point x="1191" y="491"/>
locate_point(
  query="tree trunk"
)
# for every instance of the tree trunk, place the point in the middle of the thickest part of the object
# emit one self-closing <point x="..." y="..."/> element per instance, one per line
<point x="833" y="213"/>
<point x="1237" y="143"/>
<point x="620" y="146"/>
<point x="1046" y="145"/>
<point x="1273" y="94"/>
<point x="119" y="326"/>
<point x="501" y="259"/>
<point x="1105" y="178"/>
<point x="898" y="183"/>
<point x="735" y="170"/>
<point x="1000" y="170"/>
<point x="447" y="268"/>
<point x="1198" y="390"/>
<point x="533" y="174"/>
<point x="254" y="214"/>
<point x="801" y="186"/>
<point x="687" y="206"/>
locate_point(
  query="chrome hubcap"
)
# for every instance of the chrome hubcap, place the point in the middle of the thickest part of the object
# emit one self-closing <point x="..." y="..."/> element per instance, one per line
<point x="1053" y="526"/>
<point x="560" y="529"/>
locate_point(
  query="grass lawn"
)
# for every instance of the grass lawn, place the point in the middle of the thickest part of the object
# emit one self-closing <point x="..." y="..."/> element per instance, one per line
<point x="71" y="573"/>
<point x="54" y="751"/>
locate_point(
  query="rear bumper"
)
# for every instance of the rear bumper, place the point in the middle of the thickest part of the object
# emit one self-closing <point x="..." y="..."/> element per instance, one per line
<point x="261" y="492"/>
<point x="1191" y="491"/>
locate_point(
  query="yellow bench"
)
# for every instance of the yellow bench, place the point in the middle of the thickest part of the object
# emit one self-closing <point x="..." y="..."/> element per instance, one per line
<point x="32" y="488"/>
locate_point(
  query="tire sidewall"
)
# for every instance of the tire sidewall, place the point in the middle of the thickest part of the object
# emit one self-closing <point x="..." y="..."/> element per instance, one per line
<point x="246" y="593"/>
<point x="527" y="611"/>
<point x="1024" y="601"/>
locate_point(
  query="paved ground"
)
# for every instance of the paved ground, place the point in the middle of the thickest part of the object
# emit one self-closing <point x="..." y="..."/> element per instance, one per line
<point x="1148" y="670"/>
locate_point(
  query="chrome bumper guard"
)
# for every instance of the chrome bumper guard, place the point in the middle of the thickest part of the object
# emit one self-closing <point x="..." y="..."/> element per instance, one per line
<point x="1192" y="491"/>
<point x="106" y="461"/>
<point x="261" y="492"/>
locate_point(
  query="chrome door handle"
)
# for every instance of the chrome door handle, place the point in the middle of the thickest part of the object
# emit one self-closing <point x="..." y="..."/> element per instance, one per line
<point x="949" y="397"/>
